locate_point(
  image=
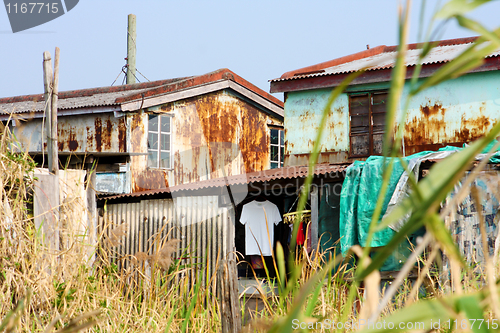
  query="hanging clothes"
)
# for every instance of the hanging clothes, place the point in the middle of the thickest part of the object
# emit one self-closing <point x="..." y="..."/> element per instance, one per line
<point x="259" y="219"/>
<point x="301" y="234"/>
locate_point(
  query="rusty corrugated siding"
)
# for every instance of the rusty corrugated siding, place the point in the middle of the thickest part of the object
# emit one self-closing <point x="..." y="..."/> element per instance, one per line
<point x="213" y="135"/>
<point x="205" y="230"/>
<point x="85" y="133"/>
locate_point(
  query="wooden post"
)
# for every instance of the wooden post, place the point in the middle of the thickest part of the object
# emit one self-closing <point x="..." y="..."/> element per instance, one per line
<point x="131" y="48"/>
<point x="227" y="291"/>
<point x="92" y="211"/>
<point x="54" y="158"/>
<point x="47" y="85"/>
<point x="314" y="217"/>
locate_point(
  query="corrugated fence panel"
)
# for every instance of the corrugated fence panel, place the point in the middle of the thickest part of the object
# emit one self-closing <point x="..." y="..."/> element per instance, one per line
<point x="204" y="229"/>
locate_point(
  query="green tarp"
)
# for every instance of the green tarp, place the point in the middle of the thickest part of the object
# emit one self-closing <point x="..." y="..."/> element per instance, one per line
<point x="358" y="199"/>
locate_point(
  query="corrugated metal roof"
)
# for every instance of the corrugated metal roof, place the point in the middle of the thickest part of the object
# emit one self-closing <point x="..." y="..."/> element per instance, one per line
<point x="100" y="99"/>
<point x="254" y="177"/>
<point x="383" y="57"/>
<point x="117" y="95"/>
<point x="82" y="98"/>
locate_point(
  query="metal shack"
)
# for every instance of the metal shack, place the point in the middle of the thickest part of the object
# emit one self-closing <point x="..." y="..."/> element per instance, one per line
<point x="450" y="114"/>
<point x="453" y="113"/>
<point x="156" y="134"/>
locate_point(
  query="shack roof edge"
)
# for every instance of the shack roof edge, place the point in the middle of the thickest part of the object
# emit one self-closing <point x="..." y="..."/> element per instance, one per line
<point x="324" y="68"/>
<point x="118" y="95"/>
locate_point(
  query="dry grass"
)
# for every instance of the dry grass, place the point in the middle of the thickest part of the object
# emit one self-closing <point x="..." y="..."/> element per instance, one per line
<point x="43" y="290"/>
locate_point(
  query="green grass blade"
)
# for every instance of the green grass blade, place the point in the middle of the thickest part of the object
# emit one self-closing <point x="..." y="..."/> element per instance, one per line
<point x="458" y="7"/>
<point x="438" y="311"/>
<point x="313" y="158"/>
<point x="280" y="258"/>
<point x="471" y="58"/>
<point x="436" y="226"/>
<point x="311" y="287"/>
<point x="473" y="311"/>
<point x="440" y="180"/>
<point x="477" y="27"/>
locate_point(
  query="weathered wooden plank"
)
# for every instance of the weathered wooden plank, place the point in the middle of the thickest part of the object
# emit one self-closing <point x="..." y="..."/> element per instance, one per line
<point x="46" y="209"/>
<point x="227" y="289"/>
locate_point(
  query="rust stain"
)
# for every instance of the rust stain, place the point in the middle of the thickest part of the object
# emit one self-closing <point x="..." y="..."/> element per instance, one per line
<point x="137" y="132"/>
<point x="472" y="129"/>
<point x="304" y="116"/>
<point x="90" y="139"/>
<point x="212" y="132"/>
<point x="431" y="110"/>
<point x="219" y="120"/>
<point x="150" y="179"/>
<point x="255" y="139"/>
<point x="220" y="128"/>
<point x="107" y="134"/>
<point x="98" y="134"/>
<point x="72" y="141"/>
<point x="431" y="131"/>
<point x="122" y="134"/>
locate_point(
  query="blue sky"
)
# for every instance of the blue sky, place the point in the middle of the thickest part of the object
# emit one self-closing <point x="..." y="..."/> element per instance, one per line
<point x="259" y="40"/>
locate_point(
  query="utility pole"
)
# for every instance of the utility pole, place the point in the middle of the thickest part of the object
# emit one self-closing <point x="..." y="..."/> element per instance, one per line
<point x="131" y="48"/>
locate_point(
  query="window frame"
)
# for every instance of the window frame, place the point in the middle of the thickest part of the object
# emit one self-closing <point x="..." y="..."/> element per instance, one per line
<point x="159" y="134"/>
<point x="371" y="114"/>
<point x="280" y="145"/>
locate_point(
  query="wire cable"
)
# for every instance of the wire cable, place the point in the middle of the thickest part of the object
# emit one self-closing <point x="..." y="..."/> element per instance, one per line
<point x="121" y="71"/>
<point x="143" y="75"/>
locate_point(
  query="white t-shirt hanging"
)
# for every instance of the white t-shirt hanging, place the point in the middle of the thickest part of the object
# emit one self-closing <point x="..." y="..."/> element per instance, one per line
<point x="253" y="216"/>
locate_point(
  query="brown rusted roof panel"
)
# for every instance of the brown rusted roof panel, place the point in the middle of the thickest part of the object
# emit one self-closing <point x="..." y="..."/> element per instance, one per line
<point x="73" y="99"/>
<point x="108" y="96"/>
<point x="221" y="74"/>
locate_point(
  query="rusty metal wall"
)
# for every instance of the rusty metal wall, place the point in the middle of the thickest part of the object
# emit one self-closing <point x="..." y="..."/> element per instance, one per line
<point x="453" y="113"/>
<point x="206" y="231"/>
<point x="213" y="135"/>
<point x="78" y="133"/>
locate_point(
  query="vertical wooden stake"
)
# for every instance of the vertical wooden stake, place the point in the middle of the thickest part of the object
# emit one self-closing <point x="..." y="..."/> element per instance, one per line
<point x="227" y="291"/>
<point x="47" y="85"/>
<point x="131" y="49"/>
<point x="314" y="218"/>
<point x="54" y="168"/>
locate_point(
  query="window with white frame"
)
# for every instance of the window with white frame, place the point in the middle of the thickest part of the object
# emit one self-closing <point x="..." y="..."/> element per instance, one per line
<point x="277" y="148"/>
<point x="159" y="141"/>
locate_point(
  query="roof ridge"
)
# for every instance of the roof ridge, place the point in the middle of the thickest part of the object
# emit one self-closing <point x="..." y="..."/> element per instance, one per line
<point x="318" y="68"/>
<point x="90" y="91"/>
<point x="193" y="81"/>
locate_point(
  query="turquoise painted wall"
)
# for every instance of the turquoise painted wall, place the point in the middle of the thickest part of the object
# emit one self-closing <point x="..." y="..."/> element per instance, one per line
<point x="458" y="110"/>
